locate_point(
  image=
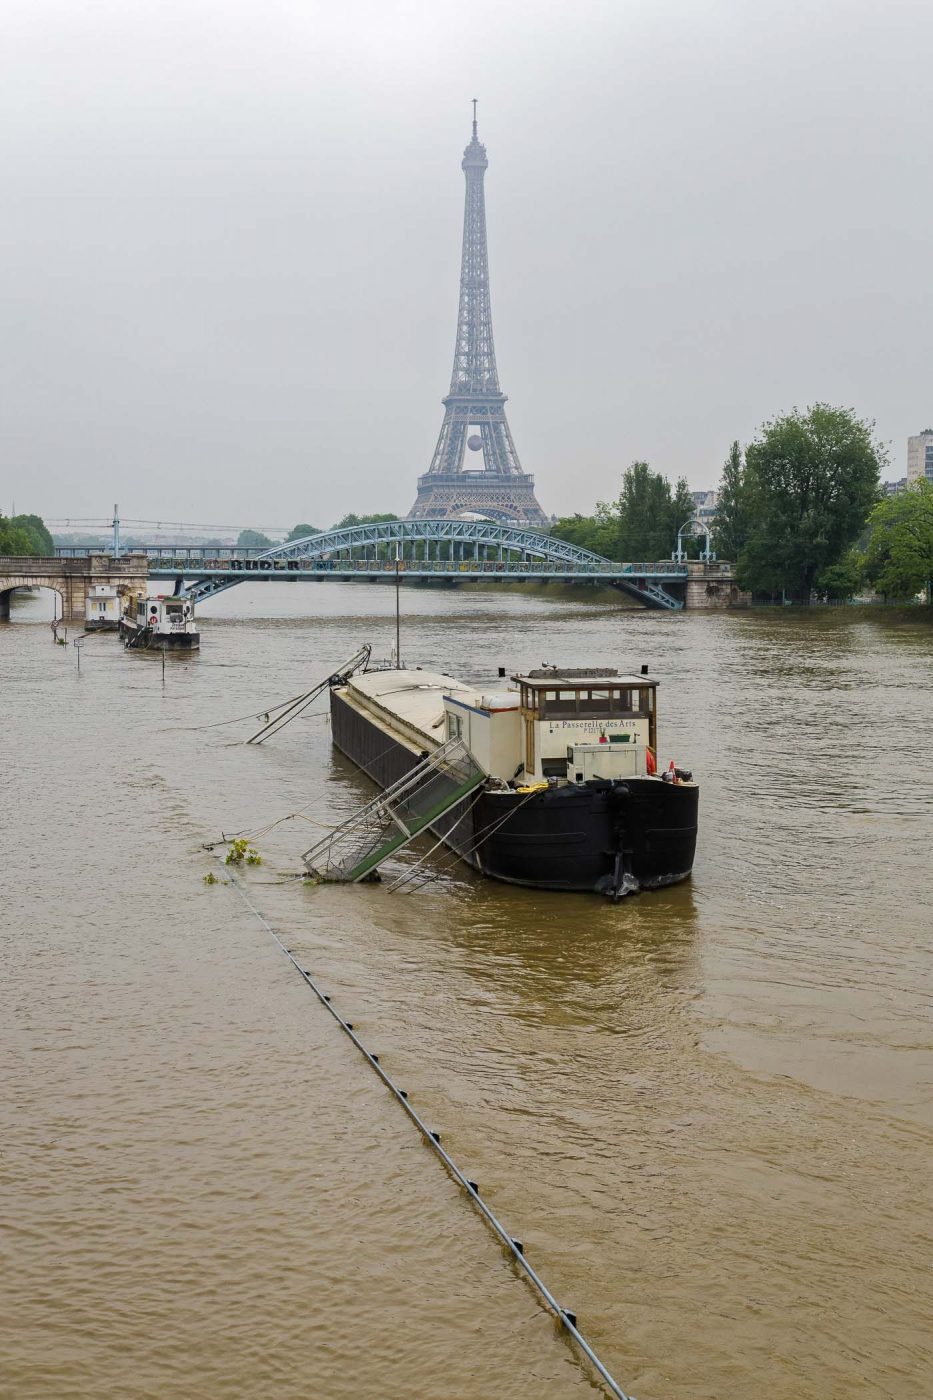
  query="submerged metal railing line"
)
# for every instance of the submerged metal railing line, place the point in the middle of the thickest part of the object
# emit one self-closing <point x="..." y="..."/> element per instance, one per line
<point x="513" y="1246"/>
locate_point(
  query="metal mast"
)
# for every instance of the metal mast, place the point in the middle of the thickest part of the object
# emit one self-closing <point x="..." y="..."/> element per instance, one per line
<point x="474" y="410"/>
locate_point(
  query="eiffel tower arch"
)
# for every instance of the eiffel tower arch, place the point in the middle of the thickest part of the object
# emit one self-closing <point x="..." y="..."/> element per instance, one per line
<point x="474" y="410"/>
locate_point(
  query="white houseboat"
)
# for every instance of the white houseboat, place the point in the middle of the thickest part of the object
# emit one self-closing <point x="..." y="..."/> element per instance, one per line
<point x="159" y="622"/>
<point x="102" y="608"/>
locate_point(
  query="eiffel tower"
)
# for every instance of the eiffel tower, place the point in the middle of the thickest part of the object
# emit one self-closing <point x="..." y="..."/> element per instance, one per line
<point x="474" y="410"/>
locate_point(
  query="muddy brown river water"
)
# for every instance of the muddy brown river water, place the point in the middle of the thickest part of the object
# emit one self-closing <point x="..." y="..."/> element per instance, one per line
<point x="706" y="1111"/>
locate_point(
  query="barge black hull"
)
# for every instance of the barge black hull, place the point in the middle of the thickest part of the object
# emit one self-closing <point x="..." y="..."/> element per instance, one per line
<point x="603" y="836"/>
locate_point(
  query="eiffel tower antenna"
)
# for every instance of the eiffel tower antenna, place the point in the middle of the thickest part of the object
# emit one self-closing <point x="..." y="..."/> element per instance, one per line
<point x="474" y="409"/>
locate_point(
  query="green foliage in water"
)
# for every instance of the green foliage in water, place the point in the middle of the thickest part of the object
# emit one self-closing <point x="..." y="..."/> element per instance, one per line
<point x="241" y="852"/>
<point x="211" y="879"/>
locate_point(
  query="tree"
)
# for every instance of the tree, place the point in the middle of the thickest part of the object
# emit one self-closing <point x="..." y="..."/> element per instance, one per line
<point x="301" y="532"/>
<point x="25" y="534"/>
<point x="641" y="524"/>
<point x="643" y="510"/>
<point x="683" y="508"/>
<point x="844" y="578"/>
<point x="12" y="539"/>
<point x="352" y="519"/>
<point x="730" y="531"/>
<point x="596" y="532"/>
<point x="35" y="527"/>
<point x="810" y="481"/>
<point x="899" y="560"/>
<point x="253" y="539"/>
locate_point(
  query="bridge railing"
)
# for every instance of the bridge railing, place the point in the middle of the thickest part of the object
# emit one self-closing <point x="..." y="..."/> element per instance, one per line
<point x="34" y="561"/>
<point x="189" y="559"/>
<point x="420" y="566"/>
<point x="377" y="566"/>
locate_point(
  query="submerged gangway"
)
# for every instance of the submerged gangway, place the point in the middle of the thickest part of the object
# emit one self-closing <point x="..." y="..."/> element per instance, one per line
<point x="359" y="845"/>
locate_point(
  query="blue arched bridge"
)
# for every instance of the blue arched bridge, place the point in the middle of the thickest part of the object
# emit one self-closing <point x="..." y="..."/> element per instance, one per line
<point x="425" y="549"/>
<point x="456" y="551"/>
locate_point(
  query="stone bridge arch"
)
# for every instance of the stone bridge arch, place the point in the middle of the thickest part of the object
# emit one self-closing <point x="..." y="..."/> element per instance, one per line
<point x="70" y="578"/>
<point x="9" y="583"/>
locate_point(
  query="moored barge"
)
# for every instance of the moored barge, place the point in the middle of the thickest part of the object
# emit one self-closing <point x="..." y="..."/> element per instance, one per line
<point x="572" y="797"/>
<point x="159" y="622"/>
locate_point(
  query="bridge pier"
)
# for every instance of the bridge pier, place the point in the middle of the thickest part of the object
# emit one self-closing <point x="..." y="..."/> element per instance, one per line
<point x="71" y="578"/>
<point x="712" y="587"/>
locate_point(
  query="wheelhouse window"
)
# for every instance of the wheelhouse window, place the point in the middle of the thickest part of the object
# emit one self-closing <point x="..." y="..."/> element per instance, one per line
<point x="590" y="698"/>
<point x="585" y="702"/>
<point x="562" y="704"/>
<point x="608" y="700"/>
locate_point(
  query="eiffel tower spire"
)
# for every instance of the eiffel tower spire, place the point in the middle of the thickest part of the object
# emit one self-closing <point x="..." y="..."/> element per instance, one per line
<point x="474" y="410"/>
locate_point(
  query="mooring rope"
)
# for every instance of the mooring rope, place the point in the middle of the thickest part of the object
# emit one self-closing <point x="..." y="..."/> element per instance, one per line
<point x="238" y="719"/>
<point x="513" y="1246"/>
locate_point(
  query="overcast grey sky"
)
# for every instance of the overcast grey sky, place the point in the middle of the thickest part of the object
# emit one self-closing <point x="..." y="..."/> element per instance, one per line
<point x="231" y="240"/>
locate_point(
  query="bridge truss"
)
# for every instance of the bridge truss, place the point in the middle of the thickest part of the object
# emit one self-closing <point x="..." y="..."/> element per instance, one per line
<point x="455" y="549"/>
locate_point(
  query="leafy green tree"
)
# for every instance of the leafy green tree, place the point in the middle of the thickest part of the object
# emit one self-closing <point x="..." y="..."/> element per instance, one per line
<point x="352" y="519"/>
<point x="683" y="508"/>
<point x="899" y="560"/>
<point x="12" y="539"/>
<point x="596" y="532"/>
<point x="844" y="578"/>
<point x="730" y="531"/>
<point x="253" y="539"/>
<point x="25" y="534"/>
<point x="810" y="481"/>
<point x="301" y="532"/>
<point x="641" y="524"/>
<point x="650" y="514"/>
<point x="35" y="528"/>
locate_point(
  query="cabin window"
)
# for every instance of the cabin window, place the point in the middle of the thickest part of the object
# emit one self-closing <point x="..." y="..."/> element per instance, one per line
<point x="454" y="726"/>
<point x="560" y="704"/>
<point x="608" y="701"/>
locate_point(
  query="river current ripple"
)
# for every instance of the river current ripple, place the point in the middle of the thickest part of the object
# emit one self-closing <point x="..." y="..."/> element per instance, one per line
<point x="706" y="1111"/>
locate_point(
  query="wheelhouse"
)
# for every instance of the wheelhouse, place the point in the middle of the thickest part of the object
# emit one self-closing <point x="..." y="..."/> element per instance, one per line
<point x="561" y="710"/>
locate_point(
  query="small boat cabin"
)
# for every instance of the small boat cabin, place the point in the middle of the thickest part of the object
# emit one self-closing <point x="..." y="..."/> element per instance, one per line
<point x="580" y="725"/>
<point x="159" y="621"/>
<point x="102" y="608"/>
<point x="560" y="726"/>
